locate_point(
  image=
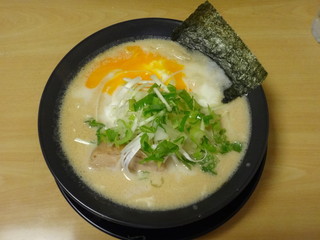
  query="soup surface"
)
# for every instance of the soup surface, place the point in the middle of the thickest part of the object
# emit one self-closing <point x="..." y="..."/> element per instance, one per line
<point x="95" y="93"/>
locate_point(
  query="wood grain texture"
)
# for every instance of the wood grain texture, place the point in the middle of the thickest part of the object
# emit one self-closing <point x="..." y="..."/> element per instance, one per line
<point x="35" y="35"/>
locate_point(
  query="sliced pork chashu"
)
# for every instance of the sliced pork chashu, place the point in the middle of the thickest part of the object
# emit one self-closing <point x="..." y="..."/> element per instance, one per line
<point x="107" y="156"/>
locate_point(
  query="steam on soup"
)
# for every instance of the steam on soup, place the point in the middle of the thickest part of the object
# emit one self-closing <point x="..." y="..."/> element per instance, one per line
<point x="143" y="125"/>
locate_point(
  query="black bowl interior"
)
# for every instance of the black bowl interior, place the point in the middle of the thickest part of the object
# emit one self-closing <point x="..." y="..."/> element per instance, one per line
<point x="100" y="206"/>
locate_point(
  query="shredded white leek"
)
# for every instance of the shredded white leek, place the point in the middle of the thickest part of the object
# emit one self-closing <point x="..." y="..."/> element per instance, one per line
<point x="202" y="126"/>
<point x="171" y="76"/>
<point x="128" y="153"/>
<point x="162" y="99"/>
<point x="159" y="82"/>
<point x="160" y="135"/>
<point x="149" y="119"/>
<point x="79" y="140"/>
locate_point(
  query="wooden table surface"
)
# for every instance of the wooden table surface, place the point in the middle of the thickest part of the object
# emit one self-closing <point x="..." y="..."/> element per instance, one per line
<point x="35" y="35"/>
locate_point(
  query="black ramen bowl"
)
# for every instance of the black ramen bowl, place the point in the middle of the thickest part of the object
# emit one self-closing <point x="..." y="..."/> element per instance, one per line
<point x="101" y="207"/>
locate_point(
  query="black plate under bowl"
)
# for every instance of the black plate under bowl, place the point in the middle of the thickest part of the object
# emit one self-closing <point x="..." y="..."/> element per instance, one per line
<point x="102" y="207"/>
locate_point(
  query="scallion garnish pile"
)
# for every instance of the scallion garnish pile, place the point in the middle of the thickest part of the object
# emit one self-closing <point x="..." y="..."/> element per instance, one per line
<point x="165" y="123"/>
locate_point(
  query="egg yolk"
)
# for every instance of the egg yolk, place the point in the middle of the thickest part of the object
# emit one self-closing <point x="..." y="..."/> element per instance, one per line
<point x="132" y="63"/>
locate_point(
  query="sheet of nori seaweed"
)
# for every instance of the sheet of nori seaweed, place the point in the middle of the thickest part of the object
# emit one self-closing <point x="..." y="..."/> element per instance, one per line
<point x="206" y="31"/>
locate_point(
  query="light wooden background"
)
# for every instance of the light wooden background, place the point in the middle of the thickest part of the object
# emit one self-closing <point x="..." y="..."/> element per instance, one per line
<point x="35" y="35"/>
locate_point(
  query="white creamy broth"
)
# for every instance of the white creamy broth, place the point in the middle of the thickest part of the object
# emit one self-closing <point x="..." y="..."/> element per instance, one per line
<point x="176" y="186"/>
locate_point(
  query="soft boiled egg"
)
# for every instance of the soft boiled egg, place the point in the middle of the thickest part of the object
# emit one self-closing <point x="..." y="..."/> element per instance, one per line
<point x="164" y="60"/>
<point x="134" y="62"/>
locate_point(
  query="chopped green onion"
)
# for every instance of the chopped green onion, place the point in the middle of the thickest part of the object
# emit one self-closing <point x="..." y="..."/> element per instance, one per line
<point x="163" y="149"/>
<point x="93" y="123"/>
<point x="187" y="98"/>
<point x="165" y="122"/>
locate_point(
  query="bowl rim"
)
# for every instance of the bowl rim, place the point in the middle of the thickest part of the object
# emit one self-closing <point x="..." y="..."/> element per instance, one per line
<point x="63" y="173"/>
